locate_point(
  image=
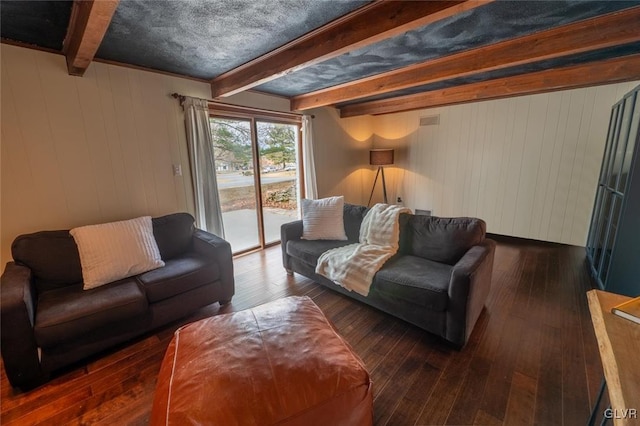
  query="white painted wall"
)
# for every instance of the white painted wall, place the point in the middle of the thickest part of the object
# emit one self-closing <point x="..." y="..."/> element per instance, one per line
<point x="341" y="150"/>
<point x="255" y="99"/>
<point x="526" y="165"/>
<point x="81" y="150"/>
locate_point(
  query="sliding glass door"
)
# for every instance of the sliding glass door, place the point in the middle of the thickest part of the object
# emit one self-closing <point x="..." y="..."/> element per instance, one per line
<point x="278" y="150"/>
<point x="257" y="170"/>
<point x="234" y="156"/>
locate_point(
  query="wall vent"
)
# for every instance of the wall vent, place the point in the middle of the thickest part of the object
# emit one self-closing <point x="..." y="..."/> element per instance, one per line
<point x="432" y="120"/>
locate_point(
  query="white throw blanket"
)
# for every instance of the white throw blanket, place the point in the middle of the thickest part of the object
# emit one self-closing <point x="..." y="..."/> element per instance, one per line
<point x="354" y="266"/>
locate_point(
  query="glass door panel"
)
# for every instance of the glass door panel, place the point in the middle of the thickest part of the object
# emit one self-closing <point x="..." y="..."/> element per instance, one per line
<point x="611" y="233"/>
<point x="611" y="146"/>
<point x="605" y="161"/>
<point x="278" y="159"/>
<point x="600" y="235"/>
<point x="617" y="150"/>
<point x="594" y="223"/>
<point x="236" y="181"/>
<point x="623" y="135"/>
<point x="631" y="143"/>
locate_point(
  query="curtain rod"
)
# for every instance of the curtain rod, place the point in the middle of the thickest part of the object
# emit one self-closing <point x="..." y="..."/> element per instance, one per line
<point x="214" y="103"/>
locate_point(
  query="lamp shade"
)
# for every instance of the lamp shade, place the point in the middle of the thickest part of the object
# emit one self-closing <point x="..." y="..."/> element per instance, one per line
<point x="381" y="157"/>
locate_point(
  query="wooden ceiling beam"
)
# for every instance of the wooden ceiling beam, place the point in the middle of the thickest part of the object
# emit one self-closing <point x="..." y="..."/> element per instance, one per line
<point x="626" y="68"/>
<point x="596" y="33"/>
<point x="87" y="26"/>
<point x="367" y="25"/>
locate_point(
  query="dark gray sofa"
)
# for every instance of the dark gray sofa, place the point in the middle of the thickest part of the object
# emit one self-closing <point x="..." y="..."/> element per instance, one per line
<point x="439" y="280"/>
<point x="48" y="321"/>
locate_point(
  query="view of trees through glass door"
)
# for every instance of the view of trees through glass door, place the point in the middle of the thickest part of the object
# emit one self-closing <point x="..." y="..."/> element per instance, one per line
<point x="256" y="166"/>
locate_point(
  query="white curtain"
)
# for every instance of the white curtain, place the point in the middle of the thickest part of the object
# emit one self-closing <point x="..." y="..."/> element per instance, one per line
<point x="308" y="164"/>
<point x="203" y="168"/>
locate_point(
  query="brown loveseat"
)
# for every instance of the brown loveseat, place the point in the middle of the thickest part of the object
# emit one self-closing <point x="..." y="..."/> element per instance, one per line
<point x="49" y="321"/>
<point x="439" y="280"/>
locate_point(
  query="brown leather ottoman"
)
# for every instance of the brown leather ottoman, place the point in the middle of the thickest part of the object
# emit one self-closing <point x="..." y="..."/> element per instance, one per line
<point x="279" y="363"/>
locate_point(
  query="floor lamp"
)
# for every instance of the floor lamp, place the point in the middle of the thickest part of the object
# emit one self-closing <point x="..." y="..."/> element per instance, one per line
<point x="380" y="158"/>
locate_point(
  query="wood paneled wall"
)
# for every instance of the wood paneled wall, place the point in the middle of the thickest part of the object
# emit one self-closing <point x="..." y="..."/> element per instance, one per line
<point x="527" y="165"/>
<point x="87" y="150"/>
<point x="81" y="150"/>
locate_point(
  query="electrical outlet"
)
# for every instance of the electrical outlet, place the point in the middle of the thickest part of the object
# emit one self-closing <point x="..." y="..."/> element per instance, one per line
<point x="177" y="169"/>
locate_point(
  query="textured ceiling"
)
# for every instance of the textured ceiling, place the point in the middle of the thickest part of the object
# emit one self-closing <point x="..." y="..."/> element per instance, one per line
<point x="202" y="38"/>
<point x="197" y="38"/>
<point x="41" y="23"/>
<point x="491" y="23"/>
<point x="206" y="38"/>
<point x="596" y="55"/>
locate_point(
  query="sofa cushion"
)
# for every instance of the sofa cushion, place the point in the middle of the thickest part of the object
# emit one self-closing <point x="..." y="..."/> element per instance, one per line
<point x="310" y="251"/>
<point x="52" y="257"/>
<point x="116" y="250"/>
<point x="67" y="313"/>
<point x="353" y="216"/>
<point x="179" y="275"/>
<point x="174" y="234"/>
<point x="415" y="280"/>
<point x="443" y="240"/>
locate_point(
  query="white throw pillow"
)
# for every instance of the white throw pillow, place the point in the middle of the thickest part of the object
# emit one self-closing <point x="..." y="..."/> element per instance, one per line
<point x="116" y="250"/>
<point x="323" y="219"/>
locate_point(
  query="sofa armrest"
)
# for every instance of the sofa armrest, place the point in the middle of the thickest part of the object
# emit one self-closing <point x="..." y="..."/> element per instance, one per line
<point x="468" y="290"/>
<point x="219" y="250"/>
<point x="17" y="316"/>
<point x="289" y="231"/>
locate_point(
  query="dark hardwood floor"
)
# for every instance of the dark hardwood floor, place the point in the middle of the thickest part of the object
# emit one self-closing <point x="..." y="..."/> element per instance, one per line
<point x="532" y="358"/>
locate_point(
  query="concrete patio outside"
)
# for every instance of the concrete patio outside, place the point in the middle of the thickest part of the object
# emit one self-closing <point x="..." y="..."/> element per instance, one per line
<point x="241" y="226"/>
